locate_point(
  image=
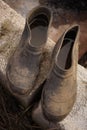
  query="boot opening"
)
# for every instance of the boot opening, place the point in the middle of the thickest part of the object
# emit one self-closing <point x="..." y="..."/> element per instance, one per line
<point x="64" y="59"/>
<point x="39" y="27"/>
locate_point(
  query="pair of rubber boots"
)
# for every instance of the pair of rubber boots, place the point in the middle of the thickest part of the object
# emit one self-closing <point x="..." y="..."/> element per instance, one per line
<point x="59" y="90"/>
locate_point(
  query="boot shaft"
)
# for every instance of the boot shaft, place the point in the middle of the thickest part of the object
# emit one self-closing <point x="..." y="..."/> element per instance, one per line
<point x="37" y="25"/>
<point x="66" y="58"/>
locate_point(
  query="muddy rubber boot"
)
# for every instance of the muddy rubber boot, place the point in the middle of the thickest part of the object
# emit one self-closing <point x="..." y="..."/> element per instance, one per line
<point x="59" y="91"/>
<point x="23" y="66"/>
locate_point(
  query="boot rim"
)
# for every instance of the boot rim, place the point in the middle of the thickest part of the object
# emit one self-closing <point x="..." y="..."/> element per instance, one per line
<point x="76" y="41"/>
<point x="33" y="13"/>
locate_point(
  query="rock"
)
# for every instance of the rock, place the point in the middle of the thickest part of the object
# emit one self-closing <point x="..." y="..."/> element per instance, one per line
<point x="77" y="119"/>
<point x="11" y="27"/>
<point x="22" y="6"/>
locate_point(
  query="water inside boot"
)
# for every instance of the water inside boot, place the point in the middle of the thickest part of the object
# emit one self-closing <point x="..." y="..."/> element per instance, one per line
<point x="39" y="27"/>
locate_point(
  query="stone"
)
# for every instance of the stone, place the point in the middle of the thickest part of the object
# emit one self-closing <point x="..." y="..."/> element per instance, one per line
<point x="11" y="27"/>
<point x="77" y="119"/>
